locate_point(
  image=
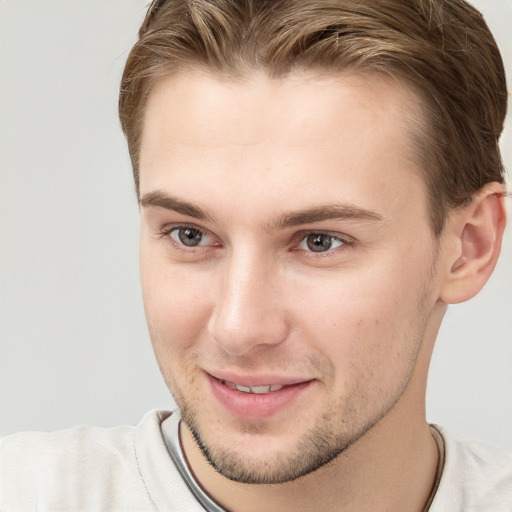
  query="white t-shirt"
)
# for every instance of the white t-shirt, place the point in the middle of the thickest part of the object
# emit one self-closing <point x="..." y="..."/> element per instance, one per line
<point x="125" y="469"/>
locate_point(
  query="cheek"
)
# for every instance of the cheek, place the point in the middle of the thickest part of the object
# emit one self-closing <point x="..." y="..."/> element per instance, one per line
<point x="176" y="304"/>
<point x="175" y="313"/>
<point x="368" y="323"/>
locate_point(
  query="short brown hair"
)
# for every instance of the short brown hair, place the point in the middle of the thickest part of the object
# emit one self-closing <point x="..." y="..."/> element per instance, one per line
<point x="442" y="48"/>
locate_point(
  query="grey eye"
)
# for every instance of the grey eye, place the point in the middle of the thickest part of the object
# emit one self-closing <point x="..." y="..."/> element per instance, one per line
<point x="191" y="237"/>
<point x="320" y="242"/>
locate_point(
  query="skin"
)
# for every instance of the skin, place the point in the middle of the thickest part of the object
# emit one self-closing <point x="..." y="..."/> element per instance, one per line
<point x="236" y="161"/>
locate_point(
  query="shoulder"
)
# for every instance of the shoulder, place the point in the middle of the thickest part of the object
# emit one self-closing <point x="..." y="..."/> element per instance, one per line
<point x="82" y="467"/>
<point x="65" y="448"/>
<point x="475" y="478"/>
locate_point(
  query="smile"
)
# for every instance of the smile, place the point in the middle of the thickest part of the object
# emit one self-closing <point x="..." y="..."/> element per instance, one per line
<point x="257" y="390"/>
<point x="256" y="397"/>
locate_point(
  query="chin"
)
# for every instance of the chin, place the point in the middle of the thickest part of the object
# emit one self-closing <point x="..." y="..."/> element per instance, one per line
<point x="254" y="456"/>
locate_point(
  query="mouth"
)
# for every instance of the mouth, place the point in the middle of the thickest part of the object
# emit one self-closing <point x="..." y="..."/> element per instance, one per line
<point x="258" y="397"/>
<point x="257" y="390"/>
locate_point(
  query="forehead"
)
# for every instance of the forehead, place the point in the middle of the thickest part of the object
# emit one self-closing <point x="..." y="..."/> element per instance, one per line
<point x="327" y="133"/>
<point x="194" y="98"/>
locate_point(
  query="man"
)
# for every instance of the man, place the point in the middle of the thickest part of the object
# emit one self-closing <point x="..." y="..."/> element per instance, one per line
<point x="317" y="181"/>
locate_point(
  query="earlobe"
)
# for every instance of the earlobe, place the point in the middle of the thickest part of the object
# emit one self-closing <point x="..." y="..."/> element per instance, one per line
<point x="477" y="231"/>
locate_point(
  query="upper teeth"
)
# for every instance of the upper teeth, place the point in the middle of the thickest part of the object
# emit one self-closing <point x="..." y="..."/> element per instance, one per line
<point x="253" y="389"/>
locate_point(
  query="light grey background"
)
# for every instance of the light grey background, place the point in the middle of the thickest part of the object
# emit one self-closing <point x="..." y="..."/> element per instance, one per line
<point x="73" y="341"/>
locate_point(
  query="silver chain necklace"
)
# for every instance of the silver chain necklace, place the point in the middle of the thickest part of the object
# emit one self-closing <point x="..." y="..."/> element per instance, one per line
<point x="171" y="432"/>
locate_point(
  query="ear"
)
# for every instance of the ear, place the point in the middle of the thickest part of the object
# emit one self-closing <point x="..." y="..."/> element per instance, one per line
<point x="475" y="234"/>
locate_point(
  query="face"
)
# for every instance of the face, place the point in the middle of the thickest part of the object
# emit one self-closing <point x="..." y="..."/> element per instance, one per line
<point x="288" y="266"/>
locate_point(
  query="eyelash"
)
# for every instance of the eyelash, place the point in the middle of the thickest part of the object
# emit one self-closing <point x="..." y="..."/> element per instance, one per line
<point x="165" y="233"/>
<point x="346" y="241"/>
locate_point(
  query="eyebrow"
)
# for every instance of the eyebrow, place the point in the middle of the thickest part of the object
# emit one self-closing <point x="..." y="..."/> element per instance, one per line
<point x="322" y="213"/>
<point x="308" y="216"/>
<point x="161" y="200"/>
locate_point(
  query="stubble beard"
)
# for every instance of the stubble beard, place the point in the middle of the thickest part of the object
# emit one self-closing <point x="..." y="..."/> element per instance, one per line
<point x="316" y="448"/>
<point x="335" y="431"/>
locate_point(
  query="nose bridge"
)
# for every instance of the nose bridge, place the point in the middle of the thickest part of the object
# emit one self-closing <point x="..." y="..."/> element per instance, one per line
<point x="248" y="307"/>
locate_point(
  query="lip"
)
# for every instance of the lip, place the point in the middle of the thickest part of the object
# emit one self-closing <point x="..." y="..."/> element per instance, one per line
<point x="263" y="379"/>
<point x="252" y="406"/>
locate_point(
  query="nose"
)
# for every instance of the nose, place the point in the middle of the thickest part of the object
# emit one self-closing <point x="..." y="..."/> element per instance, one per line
<point x="249" y="310"/>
